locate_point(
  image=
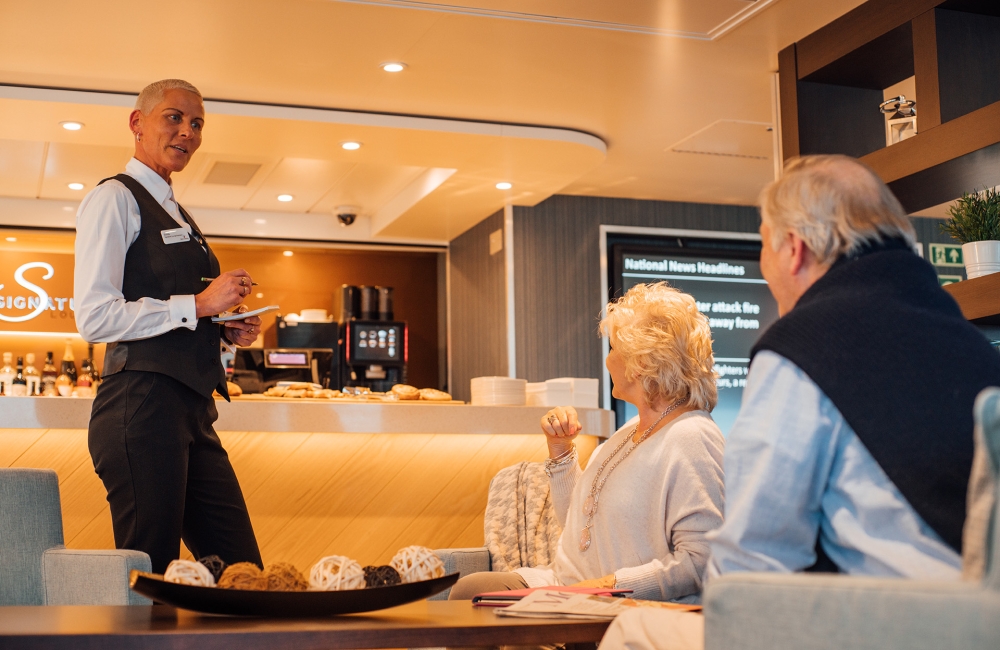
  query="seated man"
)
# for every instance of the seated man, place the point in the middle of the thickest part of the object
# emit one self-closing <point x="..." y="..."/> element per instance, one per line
<point x="853" y="446"/>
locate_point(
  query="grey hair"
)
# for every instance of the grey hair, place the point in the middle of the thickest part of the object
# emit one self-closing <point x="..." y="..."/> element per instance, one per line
<point x="836" y="204"/>
<point x="153" y="94"/>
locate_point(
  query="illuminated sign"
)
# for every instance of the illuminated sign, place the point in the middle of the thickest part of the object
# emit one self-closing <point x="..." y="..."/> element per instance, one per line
<point x="36" y="292"/>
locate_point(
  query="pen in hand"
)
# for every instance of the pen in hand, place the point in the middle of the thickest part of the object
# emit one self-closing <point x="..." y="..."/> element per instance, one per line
<point x="252" y="284"/>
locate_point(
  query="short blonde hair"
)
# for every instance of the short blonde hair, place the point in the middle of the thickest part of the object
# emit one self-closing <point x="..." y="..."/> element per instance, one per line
<point x="836" y="204"/>
<point x="665" y="342"/>
<point x="153" y="94"/>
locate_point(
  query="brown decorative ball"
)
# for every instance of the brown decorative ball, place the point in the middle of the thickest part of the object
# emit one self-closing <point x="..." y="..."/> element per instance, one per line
<point x="381" y="576"/>
<point x="214" y="564"/>
<point x="246" y="576"/>
<point x="282" y="576"/>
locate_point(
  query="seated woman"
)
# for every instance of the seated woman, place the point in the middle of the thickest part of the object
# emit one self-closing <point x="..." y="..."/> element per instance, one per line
<point x="637" y="516"/>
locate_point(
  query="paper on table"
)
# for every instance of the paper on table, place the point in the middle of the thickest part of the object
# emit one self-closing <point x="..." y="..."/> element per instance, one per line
<point x="256" y="312"/>
<point x="561" y="604"/>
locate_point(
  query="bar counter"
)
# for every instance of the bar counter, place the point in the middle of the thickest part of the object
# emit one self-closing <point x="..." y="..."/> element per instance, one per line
<point x="320" y="477"/>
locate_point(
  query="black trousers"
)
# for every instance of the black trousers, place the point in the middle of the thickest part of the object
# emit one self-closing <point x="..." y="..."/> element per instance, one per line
<point x="167" y="475"/>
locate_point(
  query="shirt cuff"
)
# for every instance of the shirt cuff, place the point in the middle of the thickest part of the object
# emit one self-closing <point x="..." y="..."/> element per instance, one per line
<point x="182" y="312"/>
<point x="642" y="580"/>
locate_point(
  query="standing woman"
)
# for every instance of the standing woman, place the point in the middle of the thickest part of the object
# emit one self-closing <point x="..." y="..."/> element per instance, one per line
<point x="140" y="264"/>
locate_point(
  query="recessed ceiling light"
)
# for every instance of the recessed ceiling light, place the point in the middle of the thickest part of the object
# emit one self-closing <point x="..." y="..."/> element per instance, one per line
<point x="288" y="253"/>
<point x="285" y="198"/>
<point x="67" y="208"/>
<point x="351" y="146"/>
<point x="75" y="186"/>
<point x="394" y="66"/>
<point x="260" y="222"/>
<point x="504" y="185"/>
<point x="260" y="295"/>
<point x="71" y="126"/>
<point x="12" y="239"/>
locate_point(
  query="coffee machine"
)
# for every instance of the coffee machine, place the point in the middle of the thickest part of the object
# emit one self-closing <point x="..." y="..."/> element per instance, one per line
<point x="373" y="346"/>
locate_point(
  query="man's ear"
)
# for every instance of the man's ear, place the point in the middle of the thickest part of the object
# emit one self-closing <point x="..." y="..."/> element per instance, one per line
<point x="800" y="253"/>
<point x="134" y="119"/>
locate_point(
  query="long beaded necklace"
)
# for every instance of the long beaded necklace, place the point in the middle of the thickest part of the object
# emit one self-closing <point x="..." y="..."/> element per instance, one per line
<point x="590" y="505"/>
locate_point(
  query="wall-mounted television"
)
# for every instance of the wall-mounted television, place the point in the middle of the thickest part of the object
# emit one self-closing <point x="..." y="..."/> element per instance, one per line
<point x="722" y="272"/>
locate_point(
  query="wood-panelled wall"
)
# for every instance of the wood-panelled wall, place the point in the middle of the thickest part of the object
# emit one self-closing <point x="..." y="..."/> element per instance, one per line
<point x="478" y="312"/>
<point x="315" y="494"/>
<point x="557" y="273"/>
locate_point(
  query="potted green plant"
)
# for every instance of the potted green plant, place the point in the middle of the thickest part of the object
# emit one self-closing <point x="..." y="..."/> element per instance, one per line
<point x="975" y="223"/>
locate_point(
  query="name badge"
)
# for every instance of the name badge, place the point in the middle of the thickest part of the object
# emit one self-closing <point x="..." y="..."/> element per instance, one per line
<point x="174" y="235"/>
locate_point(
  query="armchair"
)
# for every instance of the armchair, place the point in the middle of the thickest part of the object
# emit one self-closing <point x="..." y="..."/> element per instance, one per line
<point x="35" y="567"/>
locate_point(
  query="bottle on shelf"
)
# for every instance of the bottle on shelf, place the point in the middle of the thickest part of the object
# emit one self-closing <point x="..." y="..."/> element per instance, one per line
<point x="32" y="376"/>
<point x="85" y="381"/>
<point x="94" y="372"/>
<point x="49" y="375"/>
<point x="6" y="373"/>
<point x="19" y="386"/>
<point x="68" y="362"/>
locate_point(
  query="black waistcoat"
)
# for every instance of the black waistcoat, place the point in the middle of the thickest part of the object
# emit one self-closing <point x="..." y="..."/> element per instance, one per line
<point x="157" y="270"/>
<point x="894" y="354"/>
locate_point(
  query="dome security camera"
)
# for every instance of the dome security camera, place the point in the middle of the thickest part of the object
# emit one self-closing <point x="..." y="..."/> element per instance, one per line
<point x="346" y="214"/>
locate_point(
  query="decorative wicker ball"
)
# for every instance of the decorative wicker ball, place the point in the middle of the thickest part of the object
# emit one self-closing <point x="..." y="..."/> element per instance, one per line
<point x="186" y="572"/>
<point x="214" y="564"/>
<point x="283" y="576"/>
<point x="381" y="576"/>
<point x="416" y="563"/>
<point x="336" y="573"/>
<point x="246" y="576"/>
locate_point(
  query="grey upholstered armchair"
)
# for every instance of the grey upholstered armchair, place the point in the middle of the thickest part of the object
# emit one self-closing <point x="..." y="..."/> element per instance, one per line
<point x="35" y="567"/>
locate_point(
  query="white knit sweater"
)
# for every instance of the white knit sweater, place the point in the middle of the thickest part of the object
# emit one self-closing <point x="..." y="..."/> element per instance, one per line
<point x="654" y="511"/>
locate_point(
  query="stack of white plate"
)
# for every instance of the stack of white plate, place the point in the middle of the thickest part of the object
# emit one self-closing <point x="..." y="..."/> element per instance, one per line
<point x="498" y="391"/>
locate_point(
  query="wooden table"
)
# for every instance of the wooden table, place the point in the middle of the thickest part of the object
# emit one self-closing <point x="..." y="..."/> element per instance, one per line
<point x="420" y="624"/>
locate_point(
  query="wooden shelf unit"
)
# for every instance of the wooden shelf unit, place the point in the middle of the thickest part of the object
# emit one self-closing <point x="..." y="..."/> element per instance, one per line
<point x="979" y="298"/>
<point x="832" y="81"/>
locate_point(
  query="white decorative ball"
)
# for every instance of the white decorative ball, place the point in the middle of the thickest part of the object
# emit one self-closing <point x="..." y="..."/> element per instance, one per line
<point x="186" y="572"/>
<point x="416" y="563"/>
<point x="336" y="573"/>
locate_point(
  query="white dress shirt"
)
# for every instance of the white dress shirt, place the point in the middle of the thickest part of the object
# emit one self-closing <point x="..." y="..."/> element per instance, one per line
<point x="107" y="224"/>
<point x="795" y="468"/>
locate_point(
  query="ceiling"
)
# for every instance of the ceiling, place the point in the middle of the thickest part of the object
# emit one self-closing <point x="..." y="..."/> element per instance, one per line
<point x="656" y="99"/>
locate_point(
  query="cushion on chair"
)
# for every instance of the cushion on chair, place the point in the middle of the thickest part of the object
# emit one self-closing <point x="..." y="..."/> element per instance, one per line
<point x="86" y="577"/>
<point x="30" y="522"/>
<point x="464" y="561"/>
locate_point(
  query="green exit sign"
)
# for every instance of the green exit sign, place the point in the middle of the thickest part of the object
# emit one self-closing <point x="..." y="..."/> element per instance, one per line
<point x="946" y="255"/>
<point x="948" y="279"/>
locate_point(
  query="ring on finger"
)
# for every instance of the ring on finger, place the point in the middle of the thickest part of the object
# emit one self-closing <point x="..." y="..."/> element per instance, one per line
<point x="553" y="419"/>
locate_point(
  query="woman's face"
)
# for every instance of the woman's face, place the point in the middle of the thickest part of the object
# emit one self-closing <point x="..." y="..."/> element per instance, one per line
<point x="623" y="386"/>
<point x="171" y="133"/>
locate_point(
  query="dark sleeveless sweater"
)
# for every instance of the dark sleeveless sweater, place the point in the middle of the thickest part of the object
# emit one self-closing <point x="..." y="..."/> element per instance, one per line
<point x="894" y="354"/>
<point x="157" y="270"/>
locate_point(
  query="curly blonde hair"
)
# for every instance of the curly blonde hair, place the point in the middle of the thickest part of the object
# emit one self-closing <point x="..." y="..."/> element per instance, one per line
<point x="665" y="342"/>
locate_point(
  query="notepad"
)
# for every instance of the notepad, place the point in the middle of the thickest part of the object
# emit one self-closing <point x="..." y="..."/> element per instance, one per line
<point x="256" y="312"/>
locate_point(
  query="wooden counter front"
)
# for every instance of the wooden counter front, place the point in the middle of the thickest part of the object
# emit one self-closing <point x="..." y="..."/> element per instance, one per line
<point x="363" y="493"/>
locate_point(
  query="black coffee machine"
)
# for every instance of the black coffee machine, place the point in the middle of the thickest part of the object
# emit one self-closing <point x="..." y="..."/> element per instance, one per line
<point x="373" y="346"/>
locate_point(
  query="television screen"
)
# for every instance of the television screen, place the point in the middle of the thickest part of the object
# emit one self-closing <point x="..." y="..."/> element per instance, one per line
<point x="724" y="278"/>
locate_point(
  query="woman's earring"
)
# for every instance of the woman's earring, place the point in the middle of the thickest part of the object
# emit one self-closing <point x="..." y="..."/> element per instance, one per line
<point x="138" y="137"/>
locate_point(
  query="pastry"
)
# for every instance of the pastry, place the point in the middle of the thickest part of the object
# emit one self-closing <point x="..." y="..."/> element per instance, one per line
<point x="336" y="573"/>
<point x="402" y="391"/>
<point x="434" y="395"/>
<point x="234" y="389"/>
<point x="276" y="391"/>
<point x="295" y="392"/>
<point x="416" y="563"/>
<point x="187" y="572"/>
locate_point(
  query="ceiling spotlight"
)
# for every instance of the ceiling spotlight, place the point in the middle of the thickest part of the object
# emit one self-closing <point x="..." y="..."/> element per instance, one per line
<point x="288" y="253"/>
<point x="75" y="186"/>
<point x="71" y="126"/>
<point x="12" y="239"/>
<point x="260" y="222"/>
<point x="285" y="198"/>
<point x="504" y="185"/>
<point x="394" y="66"/>
<point x="351" y="146"/>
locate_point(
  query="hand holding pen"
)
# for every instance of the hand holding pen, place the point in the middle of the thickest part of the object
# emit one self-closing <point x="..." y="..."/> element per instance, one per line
<point x="225" y="292"/>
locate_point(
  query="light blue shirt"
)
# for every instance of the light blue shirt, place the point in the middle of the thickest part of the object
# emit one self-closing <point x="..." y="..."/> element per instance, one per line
<point x="793" y="465"/>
